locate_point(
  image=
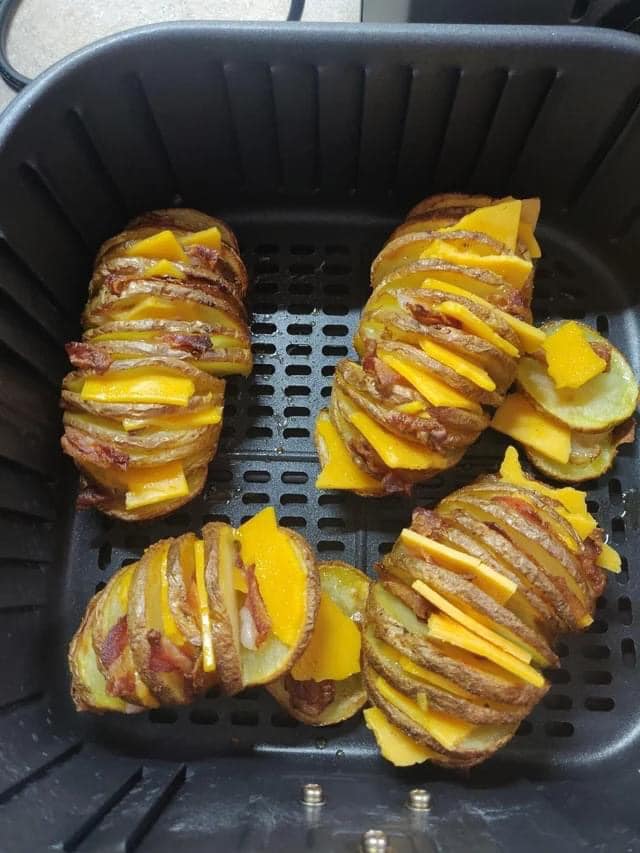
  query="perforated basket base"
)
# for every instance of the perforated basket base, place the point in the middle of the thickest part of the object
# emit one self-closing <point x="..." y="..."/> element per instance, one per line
<point x="309" y="283"/>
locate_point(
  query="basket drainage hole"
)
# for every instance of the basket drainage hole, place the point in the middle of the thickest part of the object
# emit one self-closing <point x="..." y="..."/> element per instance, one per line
<point x="558" y="702"/>
<point x="295" y="478"/>
<point x="628" y="648"/>
<point x="104" y="555"/>
<point x="558" y="676"/>
<point x="204" y="717"/>
<point x="245" y="718"/>
<point x="599" y="703"/>
<point x="558" y="729"/>
<point x="624" y="608"/>
<point x="302" y="249"/>
<point x="163" y="715"/>
<point x="602" y="324"/>
<point x="256" y="476"/>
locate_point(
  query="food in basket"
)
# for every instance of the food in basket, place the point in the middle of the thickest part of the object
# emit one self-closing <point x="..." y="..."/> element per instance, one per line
<point x="165" y="322"/>
<point x="468" y="604"/>
<point x="439" y="342"/>
<point x="325" y="684"/>
<point x="574" y="403"/>
<point x="236" y="608"/>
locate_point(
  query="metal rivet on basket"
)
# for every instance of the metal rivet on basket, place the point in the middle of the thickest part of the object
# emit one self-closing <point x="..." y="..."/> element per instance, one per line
<point x="419" y="800"/>
<point x="374" y="841"/>
<point x="312" y="794"/>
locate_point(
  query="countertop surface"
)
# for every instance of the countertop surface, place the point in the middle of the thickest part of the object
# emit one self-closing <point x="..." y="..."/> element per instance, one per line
<point x="43" y="31"/>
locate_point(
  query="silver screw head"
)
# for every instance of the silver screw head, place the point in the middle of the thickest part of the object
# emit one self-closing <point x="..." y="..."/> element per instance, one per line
<point x="374" y="841"/>
<point x="419" y="800"/>
<point x="312" y="794"/>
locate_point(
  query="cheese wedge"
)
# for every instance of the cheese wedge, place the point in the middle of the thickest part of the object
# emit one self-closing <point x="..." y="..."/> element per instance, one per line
<point x="162" y="308"/>
<point x="169" y="626"/>
<point x="469" y="622"/>
<point x="476" y="326"/>
<point x="162" y="245"/>
<point x="239" y="581"/>
<point x="526" y="236"/>
<point x="333" y="651"/>
<point x="531" y="338"/>
<point x="518" y="419"/>
<point x="456" y="362"/>
<point x="446" y="630"/>
<point x="147" y="486"/>
<point x="411" y="408"/>
<point x="277" y="567"/>
<point x="208" y="416"/>
<point x="500" y="221"/>
<point x="394" y="451"/>
<point x="210" y="238"/>
<point x="486" y="578"/>
<point x="448" y="730"/>
<point x="433" y="389"/>
<point x="394" y="744"/>
<point x="571" y="362"/>
<point x="138" y="386"/>
<point x="514" y="270"/>
<point x="164" y="269"/>
<point x="208" y="655"/>
<point x="340" y="471"/>
<point x="573" y="500"/>
<point x="609" y="560"/>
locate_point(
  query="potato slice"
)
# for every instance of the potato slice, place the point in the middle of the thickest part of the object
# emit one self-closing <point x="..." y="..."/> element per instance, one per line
<point x="600" y="404"/>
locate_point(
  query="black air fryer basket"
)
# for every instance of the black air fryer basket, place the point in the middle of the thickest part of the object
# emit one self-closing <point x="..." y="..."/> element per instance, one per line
<point x="313" y="141"/>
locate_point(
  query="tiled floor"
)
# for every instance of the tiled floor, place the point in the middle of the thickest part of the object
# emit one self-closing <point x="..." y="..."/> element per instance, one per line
<point x="45" y="30"/>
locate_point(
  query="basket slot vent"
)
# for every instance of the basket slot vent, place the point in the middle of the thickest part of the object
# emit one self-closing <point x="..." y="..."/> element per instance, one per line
<point x="295" y="97"/>
<point x="20" y="335"/>
<point x="340" y="102"/>
<point x="628" y="650"/>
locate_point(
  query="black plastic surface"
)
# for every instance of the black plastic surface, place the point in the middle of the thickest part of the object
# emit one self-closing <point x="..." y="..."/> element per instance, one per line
<point x="312" y="141"/>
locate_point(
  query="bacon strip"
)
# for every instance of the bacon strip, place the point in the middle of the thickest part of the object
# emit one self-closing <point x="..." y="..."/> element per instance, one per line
<point x="87" y="357"/>
<point x="194" y="344"/>
<point x="255" y="605"/>
<point x="603" y="350"/>
<point x="90" y="496"/>
<point x="164" y="656"/>
<point x="115" y="642"/>
<point x="310" y="697"/>
<point x="207" y="257"/>
<point x="78" y="444"/>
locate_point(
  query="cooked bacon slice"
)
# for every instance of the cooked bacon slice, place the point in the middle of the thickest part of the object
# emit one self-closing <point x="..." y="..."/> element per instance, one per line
<point x="428" y="317"/>
<point x="625" y="433"/>
<point x="87" y="357"/>
<point x="194" y="344"/>
<point x="425" y="521"/>
<point x="254" y="603"/>
<point x="91" y="496"/>
<point x="393" y="484"/>
<point x="115" y="642"/>
<point x="165" y="656"/>
<point x="79" y="445"/>
<point x="310" y="697"/>
<point x="207" y="257"/>
<point x="603" y="350"/>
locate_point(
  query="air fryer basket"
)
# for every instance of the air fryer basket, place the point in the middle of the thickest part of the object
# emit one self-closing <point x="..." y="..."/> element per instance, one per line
<point x="312" y="141"/>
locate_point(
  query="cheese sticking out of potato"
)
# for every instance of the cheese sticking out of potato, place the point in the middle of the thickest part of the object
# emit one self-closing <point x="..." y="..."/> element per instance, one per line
<point x="411" y="408"/>
<point x="442" y="603"/>
<point x="281" y="578"/>
<point x="527" y="238"/>
<point x="474" y="324"/>
<point x="490" y="581"/>
<point x="334" y="648"/>
<point x="164" y="269"/>
<point x="162" y="245"/>
<point x="207" y="416"/>
<point x="210" y="238"/>
<point x="609" y="559"/>
<point x="139" y="386"/>
<point x="394" y="451"/>
<point x="431" y="387"/>
<point x="147" y="486"/>
<point x="394" y="744"/>
<point x="208" y="655"/>
<point x="571" y="361"/>
<point x="445" y="728"/>
<point x="339" y="470"/>
<point x="500" y="221"/>
<point x="518" y="419"/>
<point x="456" y="362"/>
<point x="161" y="308"/>
<point x="514" y="270"/>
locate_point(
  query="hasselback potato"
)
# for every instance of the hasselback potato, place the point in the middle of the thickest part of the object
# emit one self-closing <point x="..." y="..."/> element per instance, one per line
<point x="235" y="608"/>
<point x="439" y="342"/>
<point x="165" y="321"/>
<point x="468" y="604"/>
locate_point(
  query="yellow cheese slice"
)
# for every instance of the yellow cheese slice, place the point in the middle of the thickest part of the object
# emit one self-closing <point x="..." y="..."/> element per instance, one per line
<point x="470" y="622"/>
<point x="208" y="655"/>
<point x="414" y="669"/>
<point x="514" y="270"/>
<point x="526" y="237"/>
<point x="609" y="560"/>
<point x="445" y="728"/>
<point x="226" y="342"/>
<point x="148" y="486"/>
<point x="518" y="419"/>
<point x="573" y="500"/>
<point x="394" y="744"/>
<point x="162" y="245"/>
<point x="138" y="386"/>
<point x="164" y="269"/>
<point x="493" y="583"/>
<point x="278" y="570"/>
<point x="394" y="451"/>
<point x="531" y="338"/>
<point x="444" y="629"/>
<point x="207" y="416"/>
<point x="478" y="327"/>
<point x="500" y="221"/>
<point x="456" y="362"/>
<point x="571" y="362"/>
<point x="340" y="471"/>
<point x="162" y="308"/>
<point x="433" y="389"/>
<point x="210" y="238"/>
<point x="334" y="648"/>
<point x="239" y="581"/>
<point x="411" y="408"/>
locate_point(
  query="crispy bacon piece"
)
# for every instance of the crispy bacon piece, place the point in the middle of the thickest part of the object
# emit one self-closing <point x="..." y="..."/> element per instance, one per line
<point x="410" y="597"/>
<point x="393" y="484"/>
<point x="255" y="605"/>
<point x="78" y="444"/>
<point x="87" y="357"/>
<point x="90" y="496"/>
<point x="115" y="642"/>
<point x="207" y="257"/>
<point x="194" y="344"/>
<point x="121" y="683"/>
<point x="425" y="521"/>
<point x="603" y="350"/>
<point x="164" y="656"/>
<point x="625" y="433"/>
<point x="596" y="578"/>
<point x="310" y="697"/>
<point x="428" y="317"/>
<point x="521" y="507"/>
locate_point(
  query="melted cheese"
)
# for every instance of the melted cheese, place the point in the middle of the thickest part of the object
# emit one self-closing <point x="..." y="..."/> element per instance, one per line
<point x="162" y="245"/>
<point x="208" y="416"/>
<point x="394" y="451"/>
<point x="518" y="419"/>
<point x="340" y="471"/>
<point x="433" y="389"/>
<point x="514" y="270"/>
<point x="394" y="744"/>
<point x="456" y="362"/>
<point x="476" y="326"/>
<point x="138" y="386"/>
<point x="164" y="269"/>
<point x="146" y="486"/>
<point x="334" y="648"/>
<point x="210" y="238"/>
